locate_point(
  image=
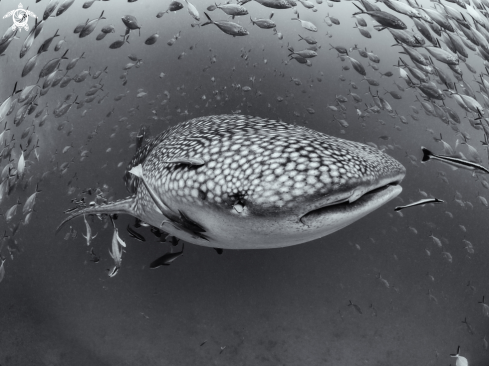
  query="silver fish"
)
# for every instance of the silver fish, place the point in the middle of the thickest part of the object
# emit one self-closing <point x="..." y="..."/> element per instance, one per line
<point x="64" y="6"/>
<point x="2" y="269"/>
<point x="29" y="204"/>
<point x="90" y="26"/>
<point x="89" y="236"/>
<point x="52" y="65"/>
<point x="227" y="27"/>
<point x="50" y="8"/>
<point x="453" y="161"/>
<point x="419" y="203"/>
<point x="306" y="25"/>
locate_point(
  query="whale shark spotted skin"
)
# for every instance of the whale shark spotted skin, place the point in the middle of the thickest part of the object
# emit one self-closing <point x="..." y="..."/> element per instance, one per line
<point x="257" y="183"/>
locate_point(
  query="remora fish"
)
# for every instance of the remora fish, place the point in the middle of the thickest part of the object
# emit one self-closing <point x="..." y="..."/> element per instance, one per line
<point x="419" y="203"/>
<point x="89" y="236"/>
<point x="453" y="161"/>
<point x="351" y="180"/>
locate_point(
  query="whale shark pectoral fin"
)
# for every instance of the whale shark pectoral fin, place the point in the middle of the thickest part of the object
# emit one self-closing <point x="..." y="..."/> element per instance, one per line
<point x="124" y="206"/>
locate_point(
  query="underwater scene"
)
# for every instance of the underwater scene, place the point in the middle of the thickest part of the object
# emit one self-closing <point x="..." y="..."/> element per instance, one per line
<point x="261" y="182"/>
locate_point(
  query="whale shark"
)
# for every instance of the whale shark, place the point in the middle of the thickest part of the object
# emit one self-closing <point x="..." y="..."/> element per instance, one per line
<point x="243" y="182"/>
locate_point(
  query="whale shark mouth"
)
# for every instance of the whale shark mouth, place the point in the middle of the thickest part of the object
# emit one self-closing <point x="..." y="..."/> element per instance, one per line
<point x="357" y="208"/>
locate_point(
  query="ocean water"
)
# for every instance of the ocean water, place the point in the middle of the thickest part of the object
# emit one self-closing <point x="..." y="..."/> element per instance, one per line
<point x="287" y="306"/>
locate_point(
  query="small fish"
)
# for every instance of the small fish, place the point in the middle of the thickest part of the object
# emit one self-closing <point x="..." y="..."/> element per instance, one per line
<point x="90" y="26"/>
<point x="469" y="329"/>
<point x="461" y="361"/>
<point x="436" y="240"/>
<point x="73" y="62"/>
<point x="175" y="6"/>
<point x="134" y="234"/>
<point x="50" y="8"/>
<point x="166" y="259"/>
<point x="116" y="253"/>
<point x="45" y="45"/>
<point x="386" y="20"/>
<point x="192" y="10"/>
<point x="131" y="23"/>
<point x="89" y="236"/>
<point x="453" y="161"/>
<point x="11" y="211"/>
<point x="2" y="269"/>
<point x="119" y="43"/>
<point x="113" y="271"/>
<point x="108" y="29"/>
<point x="419" y="203"/>
<point x="95" y="258"/>
<point x="485" y="307"/>
<point x="384" y="281"/>
<point x="305" y="24"/>
<point x="152" y="39"/>
<point x="309" y="40"/>
<point x="227" y="27"/>
<point x="52" y="65"/>
<point x="264" y="23"/>
<point x="29" y="203"/>
<point x="357" y="308"/>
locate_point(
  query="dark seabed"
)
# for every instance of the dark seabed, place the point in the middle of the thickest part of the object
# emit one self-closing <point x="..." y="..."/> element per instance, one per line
<point x="287" y="306"/>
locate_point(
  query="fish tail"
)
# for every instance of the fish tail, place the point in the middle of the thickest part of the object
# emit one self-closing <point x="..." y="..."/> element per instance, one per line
<point x="359" y="8"/>
<point x="208" y="17"/>
<point x="124" y="206"/>
<point x="427" y="154"/>
<point x="458" y="351"/>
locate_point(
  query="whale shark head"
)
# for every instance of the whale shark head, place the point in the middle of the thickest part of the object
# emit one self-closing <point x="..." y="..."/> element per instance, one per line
<point x="262" y="184"/>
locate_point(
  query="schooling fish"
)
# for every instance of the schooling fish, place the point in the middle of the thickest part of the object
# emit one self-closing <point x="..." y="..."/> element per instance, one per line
<point x="419" y="203"/>
<point x="333" y="183"/>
